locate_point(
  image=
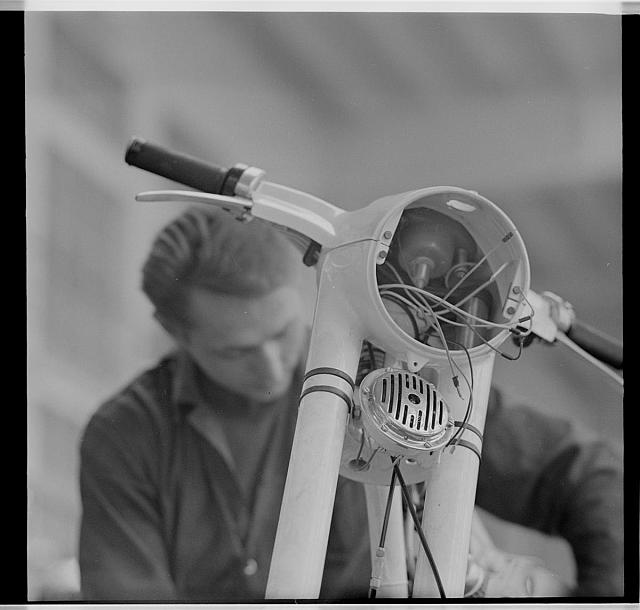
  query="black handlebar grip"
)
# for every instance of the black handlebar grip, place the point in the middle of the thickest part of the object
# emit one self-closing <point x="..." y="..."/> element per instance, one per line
<point x="605" y="348"/>
<point x="176" y="166"/>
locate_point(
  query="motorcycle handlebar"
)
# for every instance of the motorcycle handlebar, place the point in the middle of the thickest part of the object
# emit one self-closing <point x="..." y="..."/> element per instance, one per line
<point x="178" y="167"/>
<point x="605" y="348"/>
<point x="214" y="179"/>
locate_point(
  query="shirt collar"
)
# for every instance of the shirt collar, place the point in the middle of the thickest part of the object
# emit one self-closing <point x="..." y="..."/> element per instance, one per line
<point x="190" y="402"/>
<point x="195" y="402"/>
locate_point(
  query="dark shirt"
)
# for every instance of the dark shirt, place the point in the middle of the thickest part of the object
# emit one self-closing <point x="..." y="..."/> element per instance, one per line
<point x="173" y="512"/>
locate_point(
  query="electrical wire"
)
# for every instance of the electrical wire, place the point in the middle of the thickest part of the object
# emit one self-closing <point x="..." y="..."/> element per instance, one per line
<point x="417" y="299"/>
<point x="504" y="240"/>
<point x="486" y="324"/>
<point x="385" y="524"/>
<point x="423" y="303"/>
<point x="482" y="286"/>
<point x="454" y="268"/>
<point x="407" y="302"/>
<point x="443" y="300"/>
<point x="368" y="360"/>
<point x="520" y="336"/>
<point x="466" y="314"/>
<point x="436" y="323"/>
<point x="418" y="526"/>
<point x="467" y="415"/>
<point x="452" y="308"/>
<point x="445" y="345"/>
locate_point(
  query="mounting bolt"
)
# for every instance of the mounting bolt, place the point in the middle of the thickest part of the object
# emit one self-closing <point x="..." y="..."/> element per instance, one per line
<point x="382" y="255"/>
<point x="511" y="310"/>
<point x="516" y="290"/>
<point x="387" y="235"/>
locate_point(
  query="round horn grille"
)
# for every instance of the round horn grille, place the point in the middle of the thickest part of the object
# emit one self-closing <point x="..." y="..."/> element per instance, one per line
<point x="405" y="409"/>
<point x="411" y="402"/>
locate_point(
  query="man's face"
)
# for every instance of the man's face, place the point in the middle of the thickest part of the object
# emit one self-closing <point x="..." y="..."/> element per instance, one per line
<point x="250" y="346"/>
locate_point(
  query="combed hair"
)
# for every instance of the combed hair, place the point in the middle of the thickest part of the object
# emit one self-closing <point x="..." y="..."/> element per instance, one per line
<point x="208" y="248"/>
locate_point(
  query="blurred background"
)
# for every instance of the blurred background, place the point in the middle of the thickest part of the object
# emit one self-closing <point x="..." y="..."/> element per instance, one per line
<point x="523" y="108"/>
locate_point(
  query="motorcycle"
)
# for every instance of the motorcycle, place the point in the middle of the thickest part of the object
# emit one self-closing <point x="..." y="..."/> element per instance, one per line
<point x="417" y="294"/>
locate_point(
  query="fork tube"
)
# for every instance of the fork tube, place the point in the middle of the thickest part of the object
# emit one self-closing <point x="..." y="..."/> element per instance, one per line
<point x="450" y="495"/>
<point x="305" y="515"/>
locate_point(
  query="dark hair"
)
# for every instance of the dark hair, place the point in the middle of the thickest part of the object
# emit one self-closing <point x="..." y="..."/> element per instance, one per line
<point x="208" y="248"/>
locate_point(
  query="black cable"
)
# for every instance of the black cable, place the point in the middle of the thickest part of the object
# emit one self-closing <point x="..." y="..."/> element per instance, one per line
<point x="385" y="522"/>
<point x="488" y="344"/>
<point x="517" y="356"/>
<point x="467" y="413"/>
<point x="418" y="526"/>
<point x="368" y="352"/>
<point x="387" y="510"/>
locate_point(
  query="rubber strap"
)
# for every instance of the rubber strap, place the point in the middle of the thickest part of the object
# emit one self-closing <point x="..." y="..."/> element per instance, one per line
<point x="331" y="390"/>
<point x="327" y="370"/>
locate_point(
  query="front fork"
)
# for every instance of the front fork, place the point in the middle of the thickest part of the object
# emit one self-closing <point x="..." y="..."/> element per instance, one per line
<point x="326" y="400"/>
<point x="449" y="501"/>
<point x="450" y="496"/>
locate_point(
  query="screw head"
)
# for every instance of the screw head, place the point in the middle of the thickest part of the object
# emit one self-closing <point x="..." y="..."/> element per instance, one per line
<point x="382" y="254"/>
<point x="387" y="234"/>
<point x="511" y="310"/>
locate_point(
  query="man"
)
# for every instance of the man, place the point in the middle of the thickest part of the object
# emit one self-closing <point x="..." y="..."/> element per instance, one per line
<point x="182" y="471"/>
